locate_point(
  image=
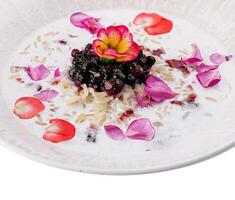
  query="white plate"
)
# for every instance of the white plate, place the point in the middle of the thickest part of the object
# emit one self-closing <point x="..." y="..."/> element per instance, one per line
<point x="207" y="131"/>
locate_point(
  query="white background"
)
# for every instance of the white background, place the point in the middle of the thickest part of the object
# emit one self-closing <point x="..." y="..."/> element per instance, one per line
<point x="23" y="179"/>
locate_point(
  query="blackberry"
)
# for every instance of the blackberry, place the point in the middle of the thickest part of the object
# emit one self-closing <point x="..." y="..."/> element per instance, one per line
<point x="131" y="79"/>
<point x="114" y="86"/>
<point x="110" y="76"/>
<point x="136" y="70"/>
<point x="74" y="53"/>
<point x="150" y="61"/>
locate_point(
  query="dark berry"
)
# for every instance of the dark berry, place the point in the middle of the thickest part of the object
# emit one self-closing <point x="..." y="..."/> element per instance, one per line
<point x="130" y="79"/>
<point x="114" y="86"/>
<point x="74" y="52"/>
<point x="106" y="75"/>
<point x="142" y="60"/>
<point x="136" y="70"/>
<point x="150" y="61"/>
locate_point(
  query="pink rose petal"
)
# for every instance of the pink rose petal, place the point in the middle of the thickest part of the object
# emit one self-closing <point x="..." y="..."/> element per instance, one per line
<point x="141" y="129"/>
<point x="85" y="21"/>
<point x="37" y="73"/>
<point x="196" y="56"/>
<point x="142" y="101"/>
<point x="77" y="18"/>
<point x="209" y="78"/>
<point x="57" y="73"/>
<point x="46" y="95"/>
<point x="218" y="59"/>
<point x="114" y="132"/>
<point x="203" y="67"/>
<point x="158" y="90"/>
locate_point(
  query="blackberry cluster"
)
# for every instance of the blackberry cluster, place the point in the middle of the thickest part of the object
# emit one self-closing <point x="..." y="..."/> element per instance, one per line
<point x="110" y="76"/>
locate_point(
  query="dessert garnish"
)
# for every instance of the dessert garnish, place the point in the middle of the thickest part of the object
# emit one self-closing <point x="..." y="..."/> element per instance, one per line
<point x="111" y="62"/>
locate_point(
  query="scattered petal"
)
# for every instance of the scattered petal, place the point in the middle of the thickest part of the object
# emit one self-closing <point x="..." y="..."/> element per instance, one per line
<point x="203" y="67"/>
<point x="158" y="90"/>
<point x="147" y="19"/>
<point x="77" y="18"/>
<point x="143" y="101"/>
<point x="85" y="21"/>
<point x="159" y="52"/>
<point x="59" y="131"/>
<point x="209" y="78"/>
<point x="219" y="59"/>
<point x="114" y="132"/>
<point x="164" y="26"/>
<point x="196" y="56"/>
<point x="28" y="107"/>
<point x="46" y="95"/>
<point x="37" y="73"/>
<point x="141" y="129"/>
<point x="92" y="25"/>
<point x="57" y="73"/>
<point x="180" y="65"/>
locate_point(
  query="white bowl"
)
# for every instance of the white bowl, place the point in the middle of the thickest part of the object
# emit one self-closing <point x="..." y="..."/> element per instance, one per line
<point x="19" y="19"/>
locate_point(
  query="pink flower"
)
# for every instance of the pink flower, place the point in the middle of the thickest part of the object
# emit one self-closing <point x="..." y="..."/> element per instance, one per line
<point x="85" y="21"/>
<point x="116" y="43"/>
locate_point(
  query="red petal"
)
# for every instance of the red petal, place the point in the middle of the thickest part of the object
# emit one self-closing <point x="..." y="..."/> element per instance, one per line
<point x="164" y="26"/>
<point x="147" y="19"/>
<point x="28" y="107"/>
<point x="59" y="131"/>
